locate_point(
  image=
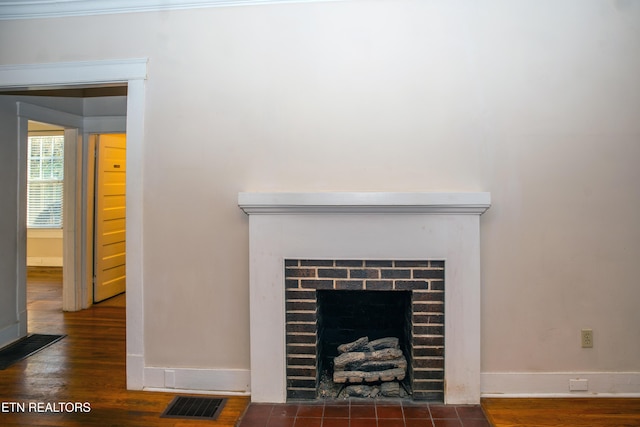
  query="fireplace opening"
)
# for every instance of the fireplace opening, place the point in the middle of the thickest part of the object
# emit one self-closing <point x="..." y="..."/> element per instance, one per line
<point x="335" y="302"/>
<point x="357" y="320"/>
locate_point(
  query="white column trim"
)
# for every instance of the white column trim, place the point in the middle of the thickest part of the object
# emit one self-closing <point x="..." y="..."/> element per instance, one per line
<point x="135" y="233"/>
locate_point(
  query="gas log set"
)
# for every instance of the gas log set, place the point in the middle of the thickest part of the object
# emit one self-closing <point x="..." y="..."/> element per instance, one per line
<point x="370" y="368"/>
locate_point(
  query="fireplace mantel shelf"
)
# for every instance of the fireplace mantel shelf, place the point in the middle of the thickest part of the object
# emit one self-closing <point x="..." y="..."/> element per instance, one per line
<point x="364" y="203"/>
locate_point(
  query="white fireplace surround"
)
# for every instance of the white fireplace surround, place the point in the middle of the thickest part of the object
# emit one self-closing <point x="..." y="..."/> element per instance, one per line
<point x="365" y="225"/>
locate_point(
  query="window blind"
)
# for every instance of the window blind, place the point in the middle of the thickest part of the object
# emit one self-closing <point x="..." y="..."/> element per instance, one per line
<point x="45" y="181"/>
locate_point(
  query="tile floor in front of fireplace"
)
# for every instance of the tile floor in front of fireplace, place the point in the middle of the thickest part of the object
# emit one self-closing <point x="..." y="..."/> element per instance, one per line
<point x="360" y="413"/>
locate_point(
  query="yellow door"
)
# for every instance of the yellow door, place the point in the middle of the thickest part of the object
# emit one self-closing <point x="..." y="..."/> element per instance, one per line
<point x="110" y="212"/>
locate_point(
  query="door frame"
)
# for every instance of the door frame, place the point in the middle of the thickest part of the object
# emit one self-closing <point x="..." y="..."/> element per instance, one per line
<point x="133" y="72"/>
<point x="72" y="262"/>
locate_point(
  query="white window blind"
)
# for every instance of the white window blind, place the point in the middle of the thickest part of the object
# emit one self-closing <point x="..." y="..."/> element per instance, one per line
<point x="45" y="181"/>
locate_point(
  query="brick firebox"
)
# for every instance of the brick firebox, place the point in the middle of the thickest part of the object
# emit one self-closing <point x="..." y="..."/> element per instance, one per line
<point x="423" y="343"/>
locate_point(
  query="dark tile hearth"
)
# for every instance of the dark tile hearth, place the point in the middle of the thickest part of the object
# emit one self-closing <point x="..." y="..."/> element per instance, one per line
<point x="360" y="413"/>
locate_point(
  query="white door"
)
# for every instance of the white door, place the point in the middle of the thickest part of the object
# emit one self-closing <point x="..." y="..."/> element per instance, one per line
<point x="110" y="212"/>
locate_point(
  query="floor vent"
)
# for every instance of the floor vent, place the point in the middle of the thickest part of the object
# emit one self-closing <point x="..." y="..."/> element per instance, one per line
<point x="194" y="408"/>
<point x="25" y="347"/>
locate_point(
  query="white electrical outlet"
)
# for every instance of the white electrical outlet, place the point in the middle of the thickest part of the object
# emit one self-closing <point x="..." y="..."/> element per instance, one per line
<point x="578" y="385"/>
<point x="586" y="336"/>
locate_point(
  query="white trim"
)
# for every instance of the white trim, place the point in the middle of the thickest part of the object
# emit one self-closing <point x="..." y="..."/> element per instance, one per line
<point x="73" y="73"/>
<point x="49" y="115"/>
<point x="135" y="230"/>
<point x="556" y="384"/>
<point x="105" y="124"/>
<point x="48" y="8"/>
<point x="218" y="381"/>
<point x="364" y="202"/>
<point x="71" y="220"/>
<point x="88" y="193"/>
<point x="135" y="365"/>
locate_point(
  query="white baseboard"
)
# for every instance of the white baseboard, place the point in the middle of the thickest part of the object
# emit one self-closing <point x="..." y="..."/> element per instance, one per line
<point x="135" y="372"/>
<point x="556" y="384"/>
<point x="211" y="381"/>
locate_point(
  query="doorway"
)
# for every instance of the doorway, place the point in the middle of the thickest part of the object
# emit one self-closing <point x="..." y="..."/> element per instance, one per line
<point x="132" y="73"/>
<point x="68" y="222"/>
<point x="45" y="182"/>
<point x="45" y="207"/>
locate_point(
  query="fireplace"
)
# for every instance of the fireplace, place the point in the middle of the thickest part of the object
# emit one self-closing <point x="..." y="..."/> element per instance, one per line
<point x="333" y="302"/>
<point x="338" y="227"/>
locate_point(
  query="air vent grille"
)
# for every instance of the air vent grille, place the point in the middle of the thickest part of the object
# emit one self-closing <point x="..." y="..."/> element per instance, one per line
<point x="190" y="407"/>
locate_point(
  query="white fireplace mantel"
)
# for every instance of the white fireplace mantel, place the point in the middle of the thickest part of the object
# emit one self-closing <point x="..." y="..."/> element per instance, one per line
<point x="364" y="202"/>
<point x="365" y="225"/>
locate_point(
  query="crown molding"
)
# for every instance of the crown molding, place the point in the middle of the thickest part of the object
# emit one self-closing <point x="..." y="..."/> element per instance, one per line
<point x="29" y="9"/>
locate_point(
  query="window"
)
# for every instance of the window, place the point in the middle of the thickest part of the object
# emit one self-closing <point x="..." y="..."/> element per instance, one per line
<point x="45" y="173"/>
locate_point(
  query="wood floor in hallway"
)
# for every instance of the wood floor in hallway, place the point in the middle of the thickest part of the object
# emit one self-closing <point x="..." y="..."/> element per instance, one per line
<point x="88" y="365"/>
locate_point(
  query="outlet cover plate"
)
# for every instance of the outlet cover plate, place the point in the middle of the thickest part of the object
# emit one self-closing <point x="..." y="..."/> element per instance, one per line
<point x="579" y="385"/>
<point x="586" y="336"/>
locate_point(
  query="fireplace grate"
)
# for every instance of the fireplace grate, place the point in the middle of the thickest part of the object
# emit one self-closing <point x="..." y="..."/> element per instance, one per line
<point x="194" y="408"/>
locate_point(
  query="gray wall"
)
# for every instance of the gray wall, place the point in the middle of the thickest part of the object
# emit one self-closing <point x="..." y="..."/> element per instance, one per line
<point x="8" y="220"/>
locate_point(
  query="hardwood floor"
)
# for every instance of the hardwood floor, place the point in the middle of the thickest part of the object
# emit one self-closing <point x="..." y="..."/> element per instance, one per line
<point x="88" y="365"/>
<point x="565" y="412"/>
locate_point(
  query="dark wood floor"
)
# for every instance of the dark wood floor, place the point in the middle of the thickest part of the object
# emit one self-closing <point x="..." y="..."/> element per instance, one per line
<point x="88" y="365"/>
